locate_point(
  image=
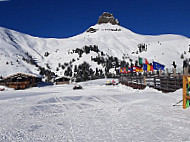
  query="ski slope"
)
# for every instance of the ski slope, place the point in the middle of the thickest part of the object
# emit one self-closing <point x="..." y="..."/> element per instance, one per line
<point x="96" y="113"/>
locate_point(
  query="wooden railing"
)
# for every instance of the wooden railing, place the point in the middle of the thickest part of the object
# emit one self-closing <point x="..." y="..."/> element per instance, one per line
<point x="162" y="83"/>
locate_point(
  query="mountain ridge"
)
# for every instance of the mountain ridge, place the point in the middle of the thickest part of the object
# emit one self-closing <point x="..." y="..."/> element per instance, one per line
<point x="113" y="40"/>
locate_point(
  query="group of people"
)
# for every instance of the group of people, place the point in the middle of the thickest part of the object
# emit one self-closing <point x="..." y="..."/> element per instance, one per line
<point x="113" y="82"/>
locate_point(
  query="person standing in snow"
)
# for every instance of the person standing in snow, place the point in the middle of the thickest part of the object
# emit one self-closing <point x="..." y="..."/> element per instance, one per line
<point x="113" y="82"/>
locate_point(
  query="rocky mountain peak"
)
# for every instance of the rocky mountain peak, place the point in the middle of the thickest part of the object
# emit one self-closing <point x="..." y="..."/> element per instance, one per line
<point x="107" y="17"/>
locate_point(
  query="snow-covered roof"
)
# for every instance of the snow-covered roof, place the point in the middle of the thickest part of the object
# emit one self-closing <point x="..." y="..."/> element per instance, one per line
<point x="63" y="77"/>
<point x="26" y="74"/>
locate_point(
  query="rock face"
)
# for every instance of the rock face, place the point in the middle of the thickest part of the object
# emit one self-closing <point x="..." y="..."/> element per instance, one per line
<point x="108" y="18"/>
<point x="91" y="30"/>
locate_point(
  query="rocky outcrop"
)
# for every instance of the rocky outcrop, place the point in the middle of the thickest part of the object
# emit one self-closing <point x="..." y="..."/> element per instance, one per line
<point x="107" y="18"/>
<point x="91" y="30"/>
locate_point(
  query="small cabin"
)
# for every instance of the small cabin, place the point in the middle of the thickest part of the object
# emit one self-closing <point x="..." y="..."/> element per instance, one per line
<point x="21" y="81"/>
<point x="1" y="82"/>
<point x="62" y="80"/>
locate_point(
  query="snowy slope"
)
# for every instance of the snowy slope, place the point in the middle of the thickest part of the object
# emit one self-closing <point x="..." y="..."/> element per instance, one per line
<point x="111" y="39"/>
<point x="95" y="114"/>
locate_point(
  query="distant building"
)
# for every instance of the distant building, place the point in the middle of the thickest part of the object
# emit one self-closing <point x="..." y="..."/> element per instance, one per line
<point x="20" y="81"/>
<point x="62" y="80"/>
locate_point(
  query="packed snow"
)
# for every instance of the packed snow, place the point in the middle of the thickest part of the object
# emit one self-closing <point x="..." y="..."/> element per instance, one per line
<point x="97" y="112"/>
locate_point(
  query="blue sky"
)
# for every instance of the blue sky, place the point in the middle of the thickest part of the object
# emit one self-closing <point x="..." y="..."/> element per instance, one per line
<point x="66" y="18"/>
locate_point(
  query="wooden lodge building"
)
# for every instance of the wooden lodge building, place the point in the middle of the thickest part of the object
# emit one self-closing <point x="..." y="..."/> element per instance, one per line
<point x="62" y="80"/>
<point x="20" y="81"/>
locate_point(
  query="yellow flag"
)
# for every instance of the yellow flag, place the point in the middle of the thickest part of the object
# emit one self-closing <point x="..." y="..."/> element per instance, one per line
<point x="148" y="67"/>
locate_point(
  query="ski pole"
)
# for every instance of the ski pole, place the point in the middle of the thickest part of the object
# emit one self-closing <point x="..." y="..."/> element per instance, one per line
<point x="178" y="102"/>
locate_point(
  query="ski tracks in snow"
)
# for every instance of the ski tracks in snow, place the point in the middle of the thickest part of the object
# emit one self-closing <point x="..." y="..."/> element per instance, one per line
<point x="96" y="113"/>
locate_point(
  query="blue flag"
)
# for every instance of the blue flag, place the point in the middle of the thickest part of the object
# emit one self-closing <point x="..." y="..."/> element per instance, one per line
<point x="144" y="67"/>
<point x="156" y="66"/>
<point x="131" y="68"/>
<point x="162" y="67"/>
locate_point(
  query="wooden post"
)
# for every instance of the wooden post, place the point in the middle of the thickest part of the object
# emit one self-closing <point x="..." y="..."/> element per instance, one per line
<point x="184" y="91"/>
<point x="144" y="80"/>
<point x="185" y="71"/>
<point x="154" y="82"/>
<point x="160" y="72"/>
<point x="167" y="72"/>
<point x="174" y="72"/>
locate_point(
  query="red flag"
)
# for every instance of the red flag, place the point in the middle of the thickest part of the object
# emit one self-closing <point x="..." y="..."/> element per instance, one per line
<point x="151" y="68"/>
<point x="146" y="61"/>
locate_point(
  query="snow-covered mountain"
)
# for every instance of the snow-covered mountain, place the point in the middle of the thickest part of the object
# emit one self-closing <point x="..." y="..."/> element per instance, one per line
<point x="24" y="53"/>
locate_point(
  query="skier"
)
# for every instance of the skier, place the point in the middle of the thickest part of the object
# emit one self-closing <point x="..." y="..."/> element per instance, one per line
<point x="113" y="82"/>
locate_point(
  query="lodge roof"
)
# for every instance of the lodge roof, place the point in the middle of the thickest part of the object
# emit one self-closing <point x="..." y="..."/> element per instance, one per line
<point x="67" y="77"/>
<point x="24" y="74"/>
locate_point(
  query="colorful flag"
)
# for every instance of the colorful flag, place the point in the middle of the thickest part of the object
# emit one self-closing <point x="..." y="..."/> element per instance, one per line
<point x="126" y="69"/>
<point x="156" y="66"/>
<point x="129" y="70"/>
<point x="146" y="61"/>
<point x="140" y="61"/>
<point x="138" y="69"/>
<point x="162" y="67"/>
<point x="134" y="68"/>
<point x="143" y="61"/>
<point x="123" y="70"/>
<point x="145" y="67"/>
<point x="148" y="67"/>
<point x="151" y="68"/>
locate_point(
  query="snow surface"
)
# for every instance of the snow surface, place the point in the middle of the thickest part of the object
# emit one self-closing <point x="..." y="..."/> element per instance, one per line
<point x="111" y="39"/>
<point x="95" y="113"/>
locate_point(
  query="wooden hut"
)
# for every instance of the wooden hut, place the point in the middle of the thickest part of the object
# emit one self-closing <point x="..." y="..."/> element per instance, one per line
<point x="1" y="82"/>
<point x="62" y="80"/>
<point x="20" y="81"/>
